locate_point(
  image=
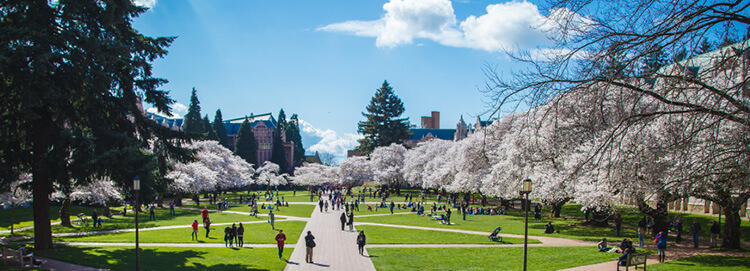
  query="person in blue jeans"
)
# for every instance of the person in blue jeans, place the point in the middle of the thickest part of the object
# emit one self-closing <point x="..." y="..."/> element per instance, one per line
<point x="695" y="229"/>
<point x="661" y="246"/>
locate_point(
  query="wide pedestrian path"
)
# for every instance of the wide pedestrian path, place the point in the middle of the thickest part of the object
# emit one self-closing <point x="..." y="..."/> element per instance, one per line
<point x="335" y="249"/>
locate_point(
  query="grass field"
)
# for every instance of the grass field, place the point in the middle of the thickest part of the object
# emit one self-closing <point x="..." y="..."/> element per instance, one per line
<point x="256" y="233"/>
<point x="705" y="262"/>
<point x="513" y="223"/>
<point x="164" y="258"/>
<point x="163" y="218"/>
<point x="490" y="258"/>
<point x="390" y="235"/>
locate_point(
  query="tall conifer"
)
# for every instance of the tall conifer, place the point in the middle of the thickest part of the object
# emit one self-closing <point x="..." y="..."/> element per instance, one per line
<point x="193" y="123"/>
<point x="293" y="134"/>
<point x="245" y="145"/>
<point x="220" y="129"/>
<point x="383" y="125"/>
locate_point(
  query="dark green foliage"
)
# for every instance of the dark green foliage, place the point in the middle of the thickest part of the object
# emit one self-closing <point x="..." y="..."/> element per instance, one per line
<point x="383" y="125"/>
<point x="705" y="47"/>
<point x="278" y="154"/>
<point x="293" y="134"/>
<point x="210" y="134"/>
<point x="72" y="74"/>
<point x="680" y="55"/>
<point x="193" y="123"/>
<point x="245" y="145"/>
<point x="219" y="129"/>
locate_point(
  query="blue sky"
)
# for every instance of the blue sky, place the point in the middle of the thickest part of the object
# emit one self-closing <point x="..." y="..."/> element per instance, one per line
<point x="324" y="59"/>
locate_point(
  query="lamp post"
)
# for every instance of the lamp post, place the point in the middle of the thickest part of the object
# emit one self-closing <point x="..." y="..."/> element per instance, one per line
<point x="526" y="189"/>
<point x="136" y="188"/>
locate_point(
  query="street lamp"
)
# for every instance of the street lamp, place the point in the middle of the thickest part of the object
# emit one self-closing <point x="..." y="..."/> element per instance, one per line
<point x="136" y="188"/>
<point x="526" y="189"/>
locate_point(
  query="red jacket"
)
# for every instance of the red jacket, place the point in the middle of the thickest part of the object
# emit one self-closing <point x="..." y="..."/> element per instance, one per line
<point x="280" y="238"/>
<point x="195" y="225"/>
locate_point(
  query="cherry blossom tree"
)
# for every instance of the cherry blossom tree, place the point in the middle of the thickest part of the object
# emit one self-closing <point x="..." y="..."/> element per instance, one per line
<point x="314" y="174"/>
<point x="355" y="171"/>
<point x="268" y="174"/>
<point x="387" y="165"/>
<point x="425" y="165"/>
<point x="19" y="193"/>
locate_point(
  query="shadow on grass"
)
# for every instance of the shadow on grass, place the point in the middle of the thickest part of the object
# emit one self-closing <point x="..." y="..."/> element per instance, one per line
<point x="715" y="261"/>
<point x="150" y="259"/>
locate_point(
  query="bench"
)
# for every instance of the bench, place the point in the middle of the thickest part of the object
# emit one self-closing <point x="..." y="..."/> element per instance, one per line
<point x="13" y="255"/>
<point x="634" y="260"/>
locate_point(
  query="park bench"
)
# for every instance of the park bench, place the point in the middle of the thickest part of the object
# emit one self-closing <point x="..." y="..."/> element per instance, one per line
<point x="82" y="219"/>
<point x="634" y="260"/>
<point x="12" y="255"/>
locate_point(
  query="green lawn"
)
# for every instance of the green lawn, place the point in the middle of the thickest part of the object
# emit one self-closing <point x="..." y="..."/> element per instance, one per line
<point x="256" y="233"/>
<point x="165" y="258"/>
<point x="704" y="262"/>
<point x="298" y="210"/>
<point x="390" y="235"/>
<point x="513" y="223"/>
<point x="23" y="217"/>
<point x="163" y="218"/>
<point x="489" y="258"/>
<point x="631" y="216"/>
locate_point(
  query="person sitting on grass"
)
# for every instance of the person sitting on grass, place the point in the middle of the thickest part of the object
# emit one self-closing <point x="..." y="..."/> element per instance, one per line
<point x="602" y="246"/>
<point x="549" y="229"/>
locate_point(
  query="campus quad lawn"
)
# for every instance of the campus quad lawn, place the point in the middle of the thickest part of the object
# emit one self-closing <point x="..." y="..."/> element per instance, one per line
<point x="512" y="223"/>
<point x="163" y="218"/>
<point x="390" y="235"/>
<point x="486" y="258"/>
<point x="298" y="210"/>
<point x="631" y="216"/>
<point x="705" y="262"/>
<point x="166" y="258"/>
<point x="255" y="233"/>
<point x="23" y="217"/>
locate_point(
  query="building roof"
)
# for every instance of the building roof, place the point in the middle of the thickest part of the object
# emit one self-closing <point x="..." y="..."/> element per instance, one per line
<point x="446" y="134"/>
<point x="233" y="125"/>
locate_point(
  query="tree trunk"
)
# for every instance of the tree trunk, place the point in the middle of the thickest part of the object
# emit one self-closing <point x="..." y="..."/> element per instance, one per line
<point x="731" y="208"/>
<point x="178" y="199"/>
<point x="557" y="206"/>
<point x="660" y="214"/>
<point x="65" y="213"/>
<point x="42" y="165"/>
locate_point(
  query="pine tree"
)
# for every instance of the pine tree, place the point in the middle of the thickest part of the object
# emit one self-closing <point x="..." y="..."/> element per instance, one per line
<point x="210" y="134"/>
<point x="293" y="134"/>
<point x="193" y="123"/>
<point x="705" y="47"/>
<point x="383" y="126"/>
<point x="245" y="145"/>
<point x="278" y="154"/>
<point x="220" y="129"/>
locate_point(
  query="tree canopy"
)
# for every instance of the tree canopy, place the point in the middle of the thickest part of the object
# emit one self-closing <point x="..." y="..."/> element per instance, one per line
<point x="245" y="145"/>
<point x="383" y="125"/>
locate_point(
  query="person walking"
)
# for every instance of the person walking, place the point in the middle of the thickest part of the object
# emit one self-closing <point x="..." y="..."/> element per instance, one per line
<point x="204" y="214"/>
<point x="234" y="234"/>
<point x="392" y="205"/>
<point x="448" y="216"/>
<point x="678" y="229"/>
<point x="325" y="205"/>
<point x="343" y="220"/>
<point x="194" y="235"/>
<point x="94" y="217"/>
<point x="351" y="221"/>
<point x="695" y="229"/>
<point x="271" y="219"/>
<point x="661" y="246"/>
<point x="227" y="236"/>
<point x="320" y="204"/>
<point x="618" y="223"/>
<point x="207" y="225"/>
<point x="361" y="242"/>
<point x="280" y="238"/>
<point x="240" y="235"/>
<point x="309" y="245"/>
<point x="641" y="230"/>
<point x="715" y="231"/>
<point x="152" y="213"/>
<point x="171" y="208"/>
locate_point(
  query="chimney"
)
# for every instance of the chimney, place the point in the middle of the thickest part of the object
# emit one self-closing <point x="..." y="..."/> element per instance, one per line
<point x="435" y="116"/>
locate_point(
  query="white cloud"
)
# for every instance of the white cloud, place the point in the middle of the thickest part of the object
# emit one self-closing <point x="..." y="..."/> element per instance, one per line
<point x="178" y="111"/>
<point x="505" y="26"/>
<point x="145" y="3"/>
<point x="330" y="141"/>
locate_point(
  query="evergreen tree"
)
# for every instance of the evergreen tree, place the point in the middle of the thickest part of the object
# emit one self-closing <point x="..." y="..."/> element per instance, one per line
<point x="281" y="120"/>
<point x="293" y="134"/>
<point x="705" y="47"/>
<point x="245" y="145"/>
<point x="210" y="133"/>
<point x="651" y="65"/>
<point x="278" y="154"/>
<point x="193" y="123"/>
<point x="383" y="126"/>
<point x="73" y="73"/>
<point x="220" y="129"/>
<point x="680" y="55"/>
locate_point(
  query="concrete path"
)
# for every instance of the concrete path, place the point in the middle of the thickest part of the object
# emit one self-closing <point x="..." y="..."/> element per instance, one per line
<point x="103" y="244"/>
<point x="55" y="265"/>
<point x="335" y="249"/>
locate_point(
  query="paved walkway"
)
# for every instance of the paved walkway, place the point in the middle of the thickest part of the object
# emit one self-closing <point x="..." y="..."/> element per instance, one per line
<point x="55" y="265"/>
<point x="335" y="249"/>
